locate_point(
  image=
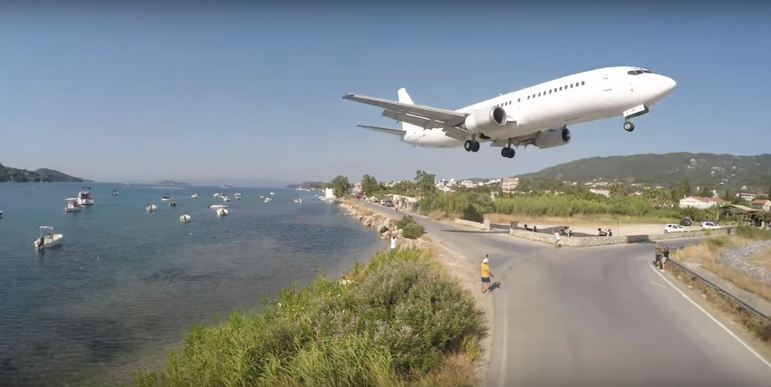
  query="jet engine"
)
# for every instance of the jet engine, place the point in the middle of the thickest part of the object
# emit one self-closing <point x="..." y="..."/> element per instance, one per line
<point x="552" y="137"/>
<point x="485" y="119"/>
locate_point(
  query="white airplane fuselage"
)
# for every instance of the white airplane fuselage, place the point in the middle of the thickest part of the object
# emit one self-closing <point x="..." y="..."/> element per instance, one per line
<point x="573" y="99"/>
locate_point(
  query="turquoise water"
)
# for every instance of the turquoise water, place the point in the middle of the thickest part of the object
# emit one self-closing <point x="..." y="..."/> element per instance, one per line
<point x="126" y="285"/>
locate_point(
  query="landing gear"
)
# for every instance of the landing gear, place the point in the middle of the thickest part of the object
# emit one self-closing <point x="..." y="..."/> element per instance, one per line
<point x="507" y="152"/>
<point x="628" y="126"/>
<point x="471" y="146"/>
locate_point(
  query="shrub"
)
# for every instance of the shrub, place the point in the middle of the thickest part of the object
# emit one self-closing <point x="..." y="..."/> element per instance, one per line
<point x="753" y="233"/>
<point x="396" y="323"/>
<point x="410" y="228"/>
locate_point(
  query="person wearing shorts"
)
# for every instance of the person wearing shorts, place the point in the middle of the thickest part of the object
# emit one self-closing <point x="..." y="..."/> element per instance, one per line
<point x="486" y="274"/>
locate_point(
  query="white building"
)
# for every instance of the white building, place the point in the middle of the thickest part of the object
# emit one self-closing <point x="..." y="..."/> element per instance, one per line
<point x="700" y="202"/>
<point x="600" y="191"/>
<point x="509" y="184"/>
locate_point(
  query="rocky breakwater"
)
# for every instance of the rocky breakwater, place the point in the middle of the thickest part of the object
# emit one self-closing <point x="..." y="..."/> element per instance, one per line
<point x="385" y="226"/>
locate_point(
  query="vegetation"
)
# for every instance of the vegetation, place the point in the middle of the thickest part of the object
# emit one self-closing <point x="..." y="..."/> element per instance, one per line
<point x="341" y="186"/>
<point x="668" y="170"/>
<point x="753" y="233"/>
<point x="400" y="321"/>
<point x="410" y="228"/>
<point x="43" y="174"/>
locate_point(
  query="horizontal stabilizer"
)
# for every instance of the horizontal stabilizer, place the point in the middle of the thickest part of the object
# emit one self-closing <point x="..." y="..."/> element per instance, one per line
<point x="397" y="132"/>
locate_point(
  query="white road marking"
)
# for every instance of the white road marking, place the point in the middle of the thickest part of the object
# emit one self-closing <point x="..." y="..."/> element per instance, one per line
<point x="504" y="350"/>
<point x="745" y="345"/>
<point x="658" y="284"/>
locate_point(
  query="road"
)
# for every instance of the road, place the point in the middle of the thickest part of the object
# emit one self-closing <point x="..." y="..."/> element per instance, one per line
<point x="597" y="317"/>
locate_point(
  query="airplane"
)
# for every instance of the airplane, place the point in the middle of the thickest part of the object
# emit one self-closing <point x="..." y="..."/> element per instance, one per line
<point x="538" y="115"/>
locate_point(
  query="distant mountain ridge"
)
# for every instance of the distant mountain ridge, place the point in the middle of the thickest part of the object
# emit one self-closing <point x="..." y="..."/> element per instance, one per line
<point x="42" y="174"/>
<point x="700" y="169"/>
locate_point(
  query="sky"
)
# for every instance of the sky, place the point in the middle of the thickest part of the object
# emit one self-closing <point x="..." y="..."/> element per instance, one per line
<point x="250" y="93"/>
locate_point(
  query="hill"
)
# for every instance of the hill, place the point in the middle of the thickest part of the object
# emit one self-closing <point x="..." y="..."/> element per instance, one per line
<point x="700" y="169"/>
<point x="42" y="174"/>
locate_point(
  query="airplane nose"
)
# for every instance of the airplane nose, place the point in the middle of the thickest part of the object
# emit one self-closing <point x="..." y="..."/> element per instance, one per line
<point x="669" y="84"/>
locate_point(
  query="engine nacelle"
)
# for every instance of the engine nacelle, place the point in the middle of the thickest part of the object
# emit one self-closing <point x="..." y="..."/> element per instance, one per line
<point x="485" y="119"/>
<point x="552" y="137"/>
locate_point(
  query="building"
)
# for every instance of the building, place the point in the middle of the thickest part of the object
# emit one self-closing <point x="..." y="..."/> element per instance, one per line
<point x="746" y="196"/>
<point x="701" y="202"/>
<point x="600" y="191"/>
<point x="762" y="204"/>
<point x="509" y="184"/>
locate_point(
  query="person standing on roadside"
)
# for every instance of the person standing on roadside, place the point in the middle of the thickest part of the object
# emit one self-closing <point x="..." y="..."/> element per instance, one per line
<point x="393" y="242"/>
<point x="486" y="274"/>
<point x="659" y="253"/>
<point x="557" y="239"/>
<point x="664" y="256"/>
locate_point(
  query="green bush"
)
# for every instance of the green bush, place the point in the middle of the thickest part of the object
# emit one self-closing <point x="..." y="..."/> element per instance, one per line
<point x="753" y="232"/>
<point x="395" y="323"/>
<point x="410" y="228"/>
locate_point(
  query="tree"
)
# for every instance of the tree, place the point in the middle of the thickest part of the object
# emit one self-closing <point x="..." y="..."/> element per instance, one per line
<point x="618" y="189"/>
<point x="705" y="191"/>
<point x="425" y="182"/>
<point x="341" y="186"/>
<point x="369" y="185"/>
<point x="685" y="189"/>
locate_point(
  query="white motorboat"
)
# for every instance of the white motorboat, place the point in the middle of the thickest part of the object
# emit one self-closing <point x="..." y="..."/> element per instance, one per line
<point x="151" y="207"/>
<point x="85" y="198"/>
<point x="222" y="212"/>
<point x="172" y="202"/>
<point x="272" y="193"/>
<point x="262" y="197"/>
<point x="237" y="195"/>
<point x="194" y="196"/>
<point x="185" y="218"/>
<point x="268" y="200"/>
<point x="114" y="193"/>
<point x="72" y="205"/>
<point x="216" y="195"/>
<point x="225" y="198"/>
<point x="48" y="238"/>
<point x="217" y="206"/>
<point x="165" y="198"/>
<point x="298" y="201"/>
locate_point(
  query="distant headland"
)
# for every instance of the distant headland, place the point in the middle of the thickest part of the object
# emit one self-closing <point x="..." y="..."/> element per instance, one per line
<point x="42" y="175"/>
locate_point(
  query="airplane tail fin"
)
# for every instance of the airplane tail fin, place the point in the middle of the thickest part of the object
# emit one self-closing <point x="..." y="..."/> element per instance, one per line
<point x="404" y="97"/>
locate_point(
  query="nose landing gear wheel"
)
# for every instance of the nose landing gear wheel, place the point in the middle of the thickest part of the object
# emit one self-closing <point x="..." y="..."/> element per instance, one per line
<point x="507" y="152"/>
<point x="628" y="126"/>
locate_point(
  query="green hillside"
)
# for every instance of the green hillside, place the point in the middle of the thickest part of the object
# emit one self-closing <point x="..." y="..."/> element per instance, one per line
<point x="700" y="169"/>
<point x="42" y="174"/>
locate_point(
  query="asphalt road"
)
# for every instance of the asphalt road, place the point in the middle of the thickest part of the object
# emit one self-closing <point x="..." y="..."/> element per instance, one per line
<point x="597" y="317"/>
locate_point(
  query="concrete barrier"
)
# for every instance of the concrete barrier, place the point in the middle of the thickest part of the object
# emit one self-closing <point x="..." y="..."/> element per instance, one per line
<point x="479" y="226"/>
<point x="590" y="241"/>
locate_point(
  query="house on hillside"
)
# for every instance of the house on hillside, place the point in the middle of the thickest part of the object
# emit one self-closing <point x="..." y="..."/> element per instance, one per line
<point x="509" y="184"/>
<point x="746" y="196"/>
<point x="762" y="204"/>
<point x="600" y="191"/>
<point x="701" y="202"/>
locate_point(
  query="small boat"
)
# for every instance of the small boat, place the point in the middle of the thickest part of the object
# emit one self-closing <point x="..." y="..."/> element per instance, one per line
<point x="268" y="200"/>
<point x="85" y="198"/>
<point x="165" y="198"/>
<point x="225" y="198"/>
<point x="262" y="197"/>
<point x="222" y="212"/>
<point x="1" y="214"/>
<point x="237" y="195"/>
<point x="72" y="205"/>
<point x="298" y="201"/>
<point x="217" y="206"/>
<point x="151" y="207"/>
<point x="172" y="202"/>
<point x="194" y="196"/>
<point x="185" y="218"/>
<point x="48" y="238"/>
<point x="272" y="193"/>
<point x="216" y="195"/>
<point x="114" y="193"/>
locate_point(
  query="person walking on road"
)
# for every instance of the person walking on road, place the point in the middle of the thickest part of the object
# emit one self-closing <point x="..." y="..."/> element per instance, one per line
<point x="557" y="239"/>
<point x="486" y="274"/>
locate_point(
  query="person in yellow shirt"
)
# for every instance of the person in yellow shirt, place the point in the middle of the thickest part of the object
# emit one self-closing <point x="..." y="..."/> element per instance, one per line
<point x="486" y="274"/>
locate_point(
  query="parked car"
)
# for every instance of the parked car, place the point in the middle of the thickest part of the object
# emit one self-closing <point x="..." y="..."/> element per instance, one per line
<point x="387" y="203"/>
<point x="673" y="228"/>
<point x="709" y="225"/>
<point x="686" y="222"/>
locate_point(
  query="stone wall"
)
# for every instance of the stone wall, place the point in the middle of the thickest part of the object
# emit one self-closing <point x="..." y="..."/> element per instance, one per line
<point x="383" y="225"/>
<point x="480" y="226"/>
<point x="605" y="240"/>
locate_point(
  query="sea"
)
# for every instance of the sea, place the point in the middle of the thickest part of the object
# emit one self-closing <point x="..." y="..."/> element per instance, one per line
<point x="126" y="285"/>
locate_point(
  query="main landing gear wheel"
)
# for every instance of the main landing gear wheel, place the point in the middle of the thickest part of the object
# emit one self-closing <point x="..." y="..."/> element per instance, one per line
<point x="628" y="126"/>
<point x="507" y="152"/>
<point x="471" y="146"/>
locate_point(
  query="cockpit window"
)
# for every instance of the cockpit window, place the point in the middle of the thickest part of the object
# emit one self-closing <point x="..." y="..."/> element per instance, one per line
<point x="638" y="71"/>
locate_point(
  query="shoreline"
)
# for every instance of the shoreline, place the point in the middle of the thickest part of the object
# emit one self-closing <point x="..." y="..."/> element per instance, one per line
<point x="455" y="264"/>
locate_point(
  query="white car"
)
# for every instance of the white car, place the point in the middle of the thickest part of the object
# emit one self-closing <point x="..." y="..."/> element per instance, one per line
<point x="673" y="228"/>
<point x="709" y="225"/>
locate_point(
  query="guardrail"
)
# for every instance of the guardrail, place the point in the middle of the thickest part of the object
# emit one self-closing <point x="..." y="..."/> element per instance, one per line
<point x="754" y="319"/>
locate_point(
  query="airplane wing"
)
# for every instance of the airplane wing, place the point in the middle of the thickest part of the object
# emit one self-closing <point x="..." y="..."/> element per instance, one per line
<point x="424" y="116"/>
<point x="397" y="132"/>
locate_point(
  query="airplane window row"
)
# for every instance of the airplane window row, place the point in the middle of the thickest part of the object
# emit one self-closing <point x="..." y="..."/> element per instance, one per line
<point x="550" y="91"/>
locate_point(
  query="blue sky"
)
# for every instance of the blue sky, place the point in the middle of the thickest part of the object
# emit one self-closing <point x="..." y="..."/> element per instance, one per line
<point x="252" y="92"/>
